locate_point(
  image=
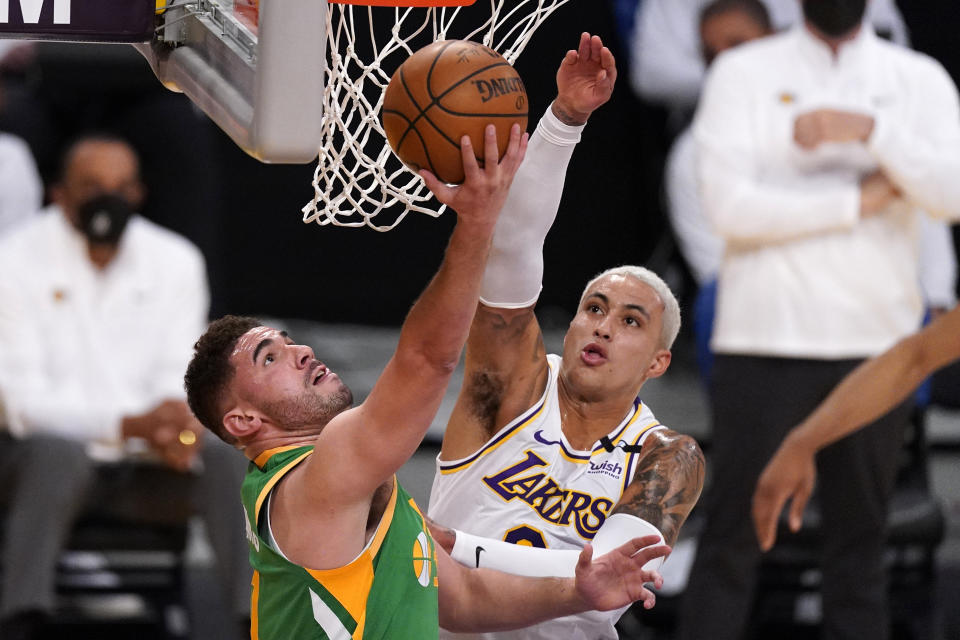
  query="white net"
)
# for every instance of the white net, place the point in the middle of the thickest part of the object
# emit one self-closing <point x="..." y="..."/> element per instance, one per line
<point x="358" y="176"/>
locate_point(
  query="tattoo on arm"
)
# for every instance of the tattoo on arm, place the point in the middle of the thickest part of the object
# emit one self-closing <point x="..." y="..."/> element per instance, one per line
<point x="667" y="484"/>
<point x="566" y="117"/>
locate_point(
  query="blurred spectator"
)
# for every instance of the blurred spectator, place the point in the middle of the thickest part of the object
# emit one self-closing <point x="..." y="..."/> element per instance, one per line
<point x="723" y="25"/>
<point x="100" y="311"/>
<point x="21" y="190"/>
<point x="666" y="61"/>
<point x="816" y="150"/>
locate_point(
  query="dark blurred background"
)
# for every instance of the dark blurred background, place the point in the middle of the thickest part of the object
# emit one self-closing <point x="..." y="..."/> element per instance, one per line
<point x="246" y="216"/>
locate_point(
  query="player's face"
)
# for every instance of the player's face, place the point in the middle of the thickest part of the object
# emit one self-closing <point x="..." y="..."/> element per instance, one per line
<point x="285" y="381"/>
<point x="727" y="30"/>
<point x="613" y="344"/>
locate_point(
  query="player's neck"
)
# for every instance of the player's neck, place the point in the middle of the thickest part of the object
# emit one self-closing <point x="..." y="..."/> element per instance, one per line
<point x="256" y="449"/>
<point x="584" y="421"/>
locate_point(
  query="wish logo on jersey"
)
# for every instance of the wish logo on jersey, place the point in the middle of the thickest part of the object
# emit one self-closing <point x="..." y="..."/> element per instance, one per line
<point x="612" y="469"/>
<point x="527" y="481"/>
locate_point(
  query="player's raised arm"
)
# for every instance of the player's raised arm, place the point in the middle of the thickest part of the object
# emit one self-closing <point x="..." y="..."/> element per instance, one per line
<point x="506" y="363"/>
<point x="373" y="440"/>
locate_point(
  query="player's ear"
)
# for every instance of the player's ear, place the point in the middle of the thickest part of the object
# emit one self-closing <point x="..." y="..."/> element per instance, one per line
<point x="659" y="363"/>
<point x="242" y="423"/>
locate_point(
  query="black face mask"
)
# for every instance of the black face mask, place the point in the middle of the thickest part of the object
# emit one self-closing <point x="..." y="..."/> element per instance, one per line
<point x="834" y="18"/>
<point x="103" y="218"/>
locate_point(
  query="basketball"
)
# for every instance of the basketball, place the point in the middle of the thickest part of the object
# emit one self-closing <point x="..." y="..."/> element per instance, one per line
<point x="447" y="90"/>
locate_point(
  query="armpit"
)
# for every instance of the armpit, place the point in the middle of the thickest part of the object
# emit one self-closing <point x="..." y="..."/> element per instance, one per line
<point x="485" y="392"/>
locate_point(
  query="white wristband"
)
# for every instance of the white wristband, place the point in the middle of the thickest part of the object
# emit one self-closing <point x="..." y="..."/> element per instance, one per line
<point x="475" y="551"/>
<point x="621" y="527"/>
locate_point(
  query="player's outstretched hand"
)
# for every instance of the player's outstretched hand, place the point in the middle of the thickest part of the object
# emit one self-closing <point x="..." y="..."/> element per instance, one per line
<point x="790" y="475"/>
<point x="584" y="81"/>
<point x="481" y="196"/>
<point x="616" y="579"/>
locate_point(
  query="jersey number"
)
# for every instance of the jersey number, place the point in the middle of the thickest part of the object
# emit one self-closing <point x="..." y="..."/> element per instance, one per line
<point x="525" y="535"/>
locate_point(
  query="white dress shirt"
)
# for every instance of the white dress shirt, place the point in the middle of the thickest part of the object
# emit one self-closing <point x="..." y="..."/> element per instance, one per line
<point x="81" y="348"/>
<point x="666" y="63"/>
<point x="803" y="275"/>
<point x="702" y="248"/>
<point x="21" y="190"/>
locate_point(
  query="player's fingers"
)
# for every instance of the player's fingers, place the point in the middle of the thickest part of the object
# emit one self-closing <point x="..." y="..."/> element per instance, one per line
<point x="586" y="557"/>
<point x="471" y="166"/>
<point x="491" y="151"/>
<point x="516" y="149"/>
<point x="443" y="192"/>
<point x="609" y="64"/>
<point x="584" y="47"/>
<point x="521" y="151"/>
<point x="647" y="554"/>
<point x="767" y="505"/>
<point x="800" y="498"/>
<point x="654" y="578"/>
<point x="570" y="57"/>
<point x="596" y="45"/>
<point x="632" y="546"/>
<point x="649" y="599"/>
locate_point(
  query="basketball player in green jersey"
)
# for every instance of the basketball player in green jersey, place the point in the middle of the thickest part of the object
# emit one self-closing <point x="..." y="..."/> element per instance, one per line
<point x="339" y="550"/>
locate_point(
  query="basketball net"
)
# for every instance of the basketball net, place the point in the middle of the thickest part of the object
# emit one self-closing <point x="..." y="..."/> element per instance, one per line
<point x="358" y="176"/>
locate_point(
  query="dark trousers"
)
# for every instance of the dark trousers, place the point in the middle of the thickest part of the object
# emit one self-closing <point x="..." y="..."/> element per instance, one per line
<point x="47" y="482"/>
<point x="756" y="401"/>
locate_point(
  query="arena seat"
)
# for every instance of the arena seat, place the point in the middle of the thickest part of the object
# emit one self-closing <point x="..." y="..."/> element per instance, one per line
<point x="121" y="576"/>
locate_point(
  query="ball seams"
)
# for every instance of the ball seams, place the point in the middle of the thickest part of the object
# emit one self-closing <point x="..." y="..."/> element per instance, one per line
<point x="435" y="102"/>
<point x="440" y="117"/>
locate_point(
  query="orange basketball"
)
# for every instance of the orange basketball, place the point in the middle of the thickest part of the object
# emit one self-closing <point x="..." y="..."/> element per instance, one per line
<point x="445" y="91"/>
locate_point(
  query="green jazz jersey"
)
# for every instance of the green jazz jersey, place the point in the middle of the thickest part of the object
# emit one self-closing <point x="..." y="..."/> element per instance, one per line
<point x="388" y="591"/>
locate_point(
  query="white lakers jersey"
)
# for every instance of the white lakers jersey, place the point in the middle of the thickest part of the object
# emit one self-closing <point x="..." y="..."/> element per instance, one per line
<point x="527" y="485"/>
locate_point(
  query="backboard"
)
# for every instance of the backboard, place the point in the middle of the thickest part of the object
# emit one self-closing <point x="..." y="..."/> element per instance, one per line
<point x="259" y="77"/>
<point x="261" y="82"/>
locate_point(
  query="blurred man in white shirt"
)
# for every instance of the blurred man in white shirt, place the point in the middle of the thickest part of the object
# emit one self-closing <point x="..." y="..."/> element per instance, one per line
<point x="818" y="148"/>
<point x="100" y="310"/>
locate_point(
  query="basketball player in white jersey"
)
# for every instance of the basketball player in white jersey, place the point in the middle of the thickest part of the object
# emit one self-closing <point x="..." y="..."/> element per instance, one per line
<point x="557" y="451"/>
